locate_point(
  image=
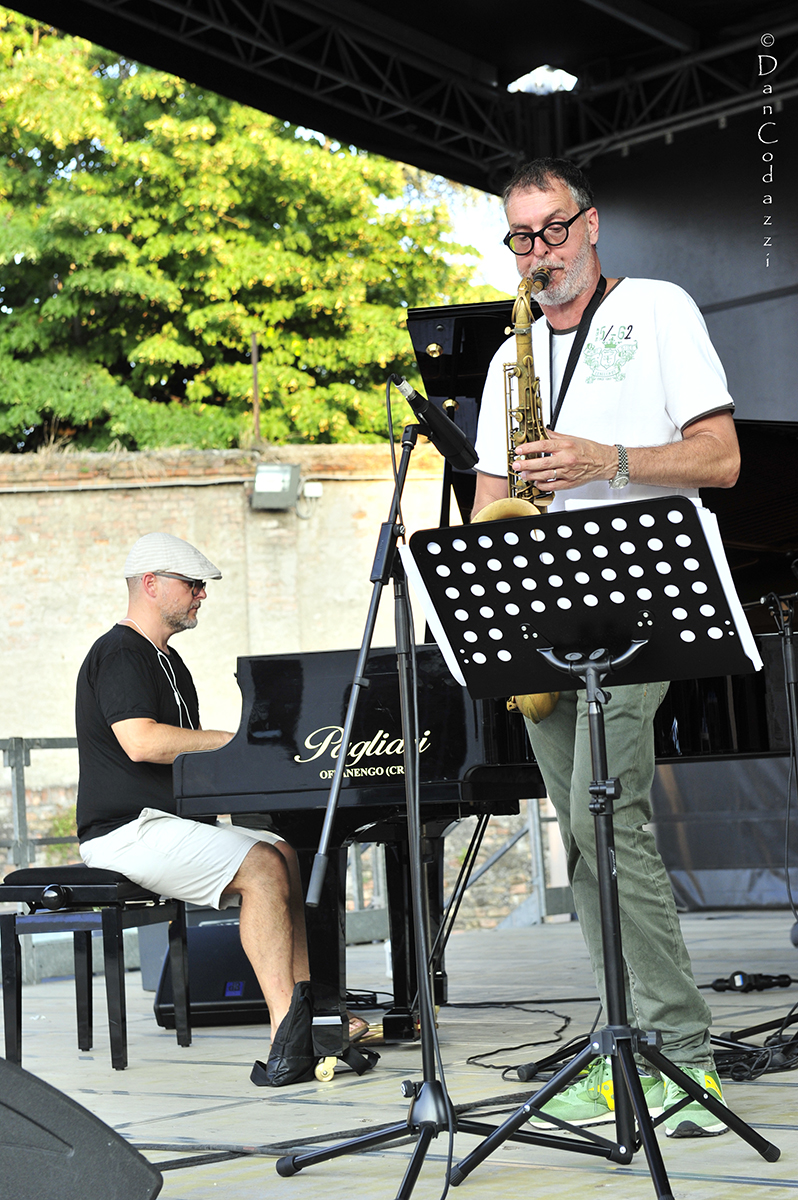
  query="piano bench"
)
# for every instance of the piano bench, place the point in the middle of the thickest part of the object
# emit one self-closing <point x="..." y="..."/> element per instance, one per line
<point x="77" y="899"/>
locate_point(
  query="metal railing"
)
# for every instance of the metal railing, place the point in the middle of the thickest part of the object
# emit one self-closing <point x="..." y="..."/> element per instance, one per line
<point x="16" y="756"/>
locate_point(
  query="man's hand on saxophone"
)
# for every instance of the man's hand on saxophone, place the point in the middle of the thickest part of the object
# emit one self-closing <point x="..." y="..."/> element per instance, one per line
<point x="570" y="461"/>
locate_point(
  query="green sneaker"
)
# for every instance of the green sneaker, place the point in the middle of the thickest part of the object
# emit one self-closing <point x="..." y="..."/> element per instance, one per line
<point x="693" y="1120"/>
<point x="591" y="1101"/>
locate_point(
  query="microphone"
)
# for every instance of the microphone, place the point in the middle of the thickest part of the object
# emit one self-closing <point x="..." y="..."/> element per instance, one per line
<point x="447" y="437"/>
<point x="740" y="982"/>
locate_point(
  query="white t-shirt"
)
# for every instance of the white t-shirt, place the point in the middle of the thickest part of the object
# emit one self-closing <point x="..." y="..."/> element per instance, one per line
<point x="647" y="370"/>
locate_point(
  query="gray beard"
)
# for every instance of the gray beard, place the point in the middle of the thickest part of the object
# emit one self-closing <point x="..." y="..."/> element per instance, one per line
<point x="567" y="283"/>
<point x="178" y="624"/>
<point x="178" y="621"/>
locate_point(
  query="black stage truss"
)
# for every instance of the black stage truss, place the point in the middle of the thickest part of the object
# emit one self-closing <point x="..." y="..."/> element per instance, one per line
<point x="428" y="86"/>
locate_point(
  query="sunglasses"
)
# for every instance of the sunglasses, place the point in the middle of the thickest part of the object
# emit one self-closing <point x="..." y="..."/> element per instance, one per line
<point x="196" y="585"/>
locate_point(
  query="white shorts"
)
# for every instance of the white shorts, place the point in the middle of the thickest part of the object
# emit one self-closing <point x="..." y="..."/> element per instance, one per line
<point x="175" y="857"/>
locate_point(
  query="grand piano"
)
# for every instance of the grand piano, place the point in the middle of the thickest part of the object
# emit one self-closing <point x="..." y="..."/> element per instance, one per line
<point x="277" y="771"/>
<point x="476" y="760"/>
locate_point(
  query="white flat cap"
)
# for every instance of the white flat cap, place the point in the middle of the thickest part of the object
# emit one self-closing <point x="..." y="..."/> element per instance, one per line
<point x="164" y="552"/>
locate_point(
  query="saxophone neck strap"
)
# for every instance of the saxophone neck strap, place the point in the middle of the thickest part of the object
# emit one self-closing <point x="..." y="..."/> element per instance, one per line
<point x="576" y="348"/>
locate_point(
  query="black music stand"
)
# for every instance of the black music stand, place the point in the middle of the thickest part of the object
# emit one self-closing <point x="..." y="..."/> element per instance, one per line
<point x="632" y="591"/>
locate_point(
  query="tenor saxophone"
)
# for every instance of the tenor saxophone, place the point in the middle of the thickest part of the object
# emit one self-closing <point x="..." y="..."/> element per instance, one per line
<point x="523" y="411"/>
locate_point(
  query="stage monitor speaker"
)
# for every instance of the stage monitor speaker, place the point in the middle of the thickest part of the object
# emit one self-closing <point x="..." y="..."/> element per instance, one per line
<point x="222" y="984"/>
<point x="52" y="1147"/>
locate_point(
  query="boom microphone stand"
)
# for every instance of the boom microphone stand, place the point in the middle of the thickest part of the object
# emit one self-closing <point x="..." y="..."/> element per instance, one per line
<point x="596" y="573"/>
<point x="430" y="1110"/>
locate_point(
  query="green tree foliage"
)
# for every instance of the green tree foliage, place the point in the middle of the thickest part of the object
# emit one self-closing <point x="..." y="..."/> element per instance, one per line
<point x="148" y="228"/>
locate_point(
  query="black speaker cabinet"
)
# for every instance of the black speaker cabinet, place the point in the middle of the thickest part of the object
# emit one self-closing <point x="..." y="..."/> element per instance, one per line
<point x="52" y="1147"/>
<point x="222" y="985"/>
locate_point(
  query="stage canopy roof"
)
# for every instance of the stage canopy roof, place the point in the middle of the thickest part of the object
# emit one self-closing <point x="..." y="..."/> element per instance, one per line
<point x="427" y="84"/>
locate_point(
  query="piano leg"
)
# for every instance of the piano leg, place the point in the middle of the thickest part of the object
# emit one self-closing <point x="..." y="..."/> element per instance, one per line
<point x="433" y="864"/>
<point x="399" y="1023"/>
<point x="326" y="928"/>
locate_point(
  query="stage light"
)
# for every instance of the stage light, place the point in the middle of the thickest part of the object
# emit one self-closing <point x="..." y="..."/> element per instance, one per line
<point x="544" y="80"/>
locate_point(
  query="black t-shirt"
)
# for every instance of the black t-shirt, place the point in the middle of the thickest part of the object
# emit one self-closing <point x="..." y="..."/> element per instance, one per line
<point x="124" y="676"/>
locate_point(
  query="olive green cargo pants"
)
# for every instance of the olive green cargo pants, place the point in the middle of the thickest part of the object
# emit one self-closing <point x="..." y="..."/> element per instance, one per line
<point x="661" y="992"/>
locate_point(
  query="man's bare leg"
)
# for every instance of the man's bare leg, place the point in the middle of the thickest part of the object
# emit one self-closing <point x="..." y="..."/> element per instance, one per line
<point x="357" y="1026"/>
<point x="296" y="906"/>
<point x="267" y="934"/>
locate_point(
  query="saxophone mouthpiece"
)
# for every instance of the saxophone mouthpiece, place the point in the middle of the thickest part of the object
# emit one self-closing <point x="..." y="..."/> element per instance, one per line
<point x="541" y="278"/>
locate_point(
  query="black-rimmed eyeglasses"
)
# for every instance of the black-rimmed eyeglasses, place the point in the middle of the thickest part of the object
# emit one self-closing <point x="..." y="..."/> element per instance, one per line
<point x="553" y="234"/>
<point x="196" y="585"/>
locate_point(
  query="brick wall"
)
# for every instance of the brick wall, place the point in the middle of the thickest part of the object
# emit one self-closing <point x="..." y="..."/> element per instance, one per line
<point x="290" y="584"/>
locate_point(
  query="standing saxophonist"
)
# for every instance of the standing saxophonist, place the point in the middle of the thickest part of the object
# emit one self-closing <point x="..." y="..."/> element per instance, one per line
<point x="635" y="402"/>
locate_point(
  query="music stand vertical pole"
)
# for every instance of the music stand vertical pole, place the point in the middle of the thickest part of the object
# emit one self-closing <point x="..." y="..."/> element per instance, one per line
<point x="603" y="791"/>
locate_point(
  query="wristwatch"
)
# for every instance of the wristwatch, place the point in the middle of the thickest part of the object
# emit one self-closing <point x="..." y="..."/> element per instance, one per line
<point x="621" y="478"/>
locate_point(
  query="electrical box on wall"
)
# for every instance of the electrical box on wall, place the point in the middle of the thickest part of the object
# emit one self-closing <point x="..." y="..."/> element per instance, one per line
<point x="276" y="486"/>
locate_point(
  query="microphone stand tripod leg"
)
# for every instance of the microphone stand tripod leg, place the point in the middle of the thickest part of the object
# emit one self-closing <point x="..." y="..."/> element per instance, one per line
<point x="428" y="1116"/>
<point x="416" y="1162"/>
<point x="292" y="1164"/>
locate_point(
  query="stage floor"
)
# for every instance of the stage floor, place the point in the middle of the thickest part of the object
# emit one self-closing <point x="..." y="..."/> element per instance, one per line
<point x="178" y="1104"/>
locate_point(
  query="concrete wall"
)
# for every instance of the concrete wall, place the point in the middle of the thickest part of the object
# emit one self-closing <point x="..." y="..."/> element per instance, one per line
<point x="290" y="584"/>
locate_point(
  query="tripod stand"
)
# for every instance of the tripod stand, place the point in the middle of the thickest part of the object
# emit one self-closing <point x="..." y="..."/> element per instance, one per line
<point x="617" y="1039"/>
<point x="626" y="602"/>
<point x="430" y="1111"/>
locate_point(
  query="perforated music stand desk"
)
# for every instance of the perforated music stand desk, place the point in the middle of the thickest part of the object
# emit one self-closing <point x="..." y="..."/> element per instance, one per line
<point x="601" y="577"/>
<point x="641" y="591"/>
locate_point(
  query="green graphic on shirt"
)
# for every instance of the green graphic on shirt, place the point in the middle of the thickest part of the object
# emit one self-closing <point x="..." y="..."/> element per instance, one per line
<point x="607" y="356"/>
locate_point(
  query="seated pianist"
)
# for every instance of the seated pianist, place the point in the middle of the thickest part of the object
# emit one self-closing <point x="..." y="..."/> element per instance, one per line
<point x="136" y="710"/>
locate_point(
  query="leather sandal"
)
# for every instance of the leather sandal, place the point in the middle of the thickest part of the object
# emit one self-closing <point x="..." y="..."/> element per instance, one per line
<point x="358" y="1028"/>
